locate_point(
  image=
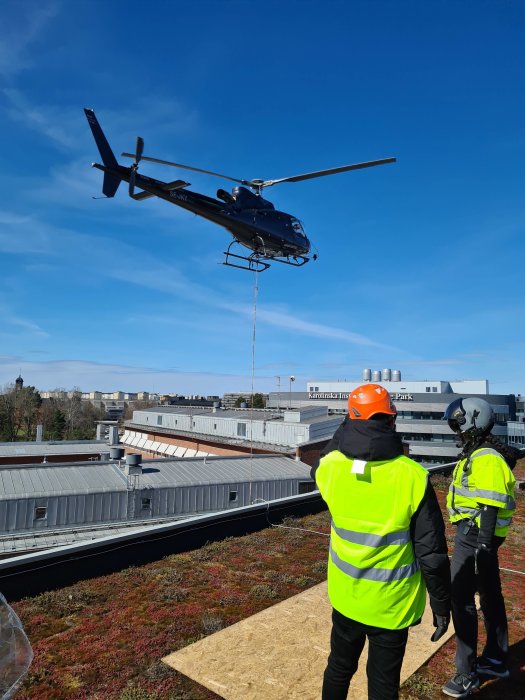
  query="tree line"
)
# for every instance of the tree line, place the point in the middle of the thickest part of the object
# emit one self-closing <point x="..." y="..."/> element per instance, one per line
<point x="22" y="409"/>
<point x="255" y="401"/>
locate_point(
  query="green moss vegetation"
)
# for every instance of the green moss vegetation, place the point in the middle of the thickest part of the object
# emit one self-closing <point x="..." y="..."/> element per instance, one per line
<point x="103" y="639"/>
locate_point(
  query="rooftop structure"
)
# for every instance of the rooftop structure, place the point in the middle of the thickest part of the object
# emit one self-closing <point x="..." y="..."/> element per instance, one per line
<point x="25" y="453"/>
<point x="58" y="497"/>
<point x="420" y="408"/>
<point x="300" y="432"/>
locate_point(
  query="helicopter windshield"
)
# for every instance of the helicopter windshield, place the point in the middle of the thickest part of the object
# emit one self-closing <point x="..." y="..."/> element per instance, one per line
<point x="297" y="227"/>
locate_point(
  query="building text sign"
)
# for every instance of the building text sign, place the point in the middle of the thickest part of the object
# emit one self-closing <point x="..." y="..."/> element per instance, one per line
<point x="344" y="395"/>
<point x="328" y="395"/>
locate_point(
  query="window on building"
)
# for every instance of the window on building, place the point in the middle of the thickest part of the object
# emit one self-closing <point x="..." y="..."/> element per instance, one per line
<point x="146" y="504"/>
<point x="215" y="426"/>
<point x="159" y="420"/>
<point x="311" y="388"/>
<point x="234" y="495"/>
<point x="241" y="429"/>
<point x="40" y="513"/>
<point x="434" y="389"/>
<point x="427" y="389"/>
<point x="306" y="486"/>
<point x="316" y="388"/>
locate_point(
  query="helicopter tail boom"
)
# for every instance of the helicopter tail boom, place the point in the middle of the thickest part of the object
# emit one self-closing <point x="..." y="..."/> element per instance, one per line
<point x="111" y="183"/>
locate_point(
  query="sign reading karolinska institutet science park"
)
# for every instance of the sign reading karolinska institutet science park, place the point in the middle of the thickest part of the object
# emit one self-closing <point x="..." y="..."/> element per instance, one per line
<point x="344" y="395"/>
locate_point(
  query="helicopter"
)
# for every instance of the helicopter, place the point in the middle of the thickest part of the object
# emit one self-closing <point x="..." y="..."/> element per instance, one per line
<point x="252" y="221"/>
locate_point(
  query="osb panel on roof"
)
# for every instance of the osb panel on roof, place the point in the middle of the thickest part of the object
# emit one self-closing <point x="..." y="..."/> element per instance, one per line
<point x="280" y="653"/>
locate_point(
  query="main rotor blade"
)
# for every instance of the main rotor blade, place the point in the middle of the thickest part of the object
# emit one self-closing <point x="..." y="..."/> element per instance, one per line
<point x="189" y="167"/>
<point x="139" y="149"/>
<point x="330" y="171"/>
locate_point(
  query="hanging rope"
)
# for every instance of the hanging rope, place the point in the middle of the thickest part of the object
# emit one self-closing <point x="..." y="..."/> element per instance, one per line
<point x="255" y="295"/>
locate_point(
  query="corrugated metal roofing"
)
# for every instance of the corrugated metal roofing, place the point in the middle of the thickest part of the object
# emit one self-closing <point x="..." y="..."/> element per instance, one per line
<point x="84" y="477"/>
<point x="188" y="472"/>
<point x="98" y="477"/>
<point x="239" y="414"/>
<point x="19" y="449"/>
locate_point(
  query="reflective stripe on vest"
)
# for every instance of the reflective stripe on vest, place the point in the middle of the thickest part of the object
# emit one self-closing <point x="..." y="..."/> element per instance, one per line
<point x="372" y="540"/>
<point x="465" y="498"/>
<point x="506" y="501"/>
<point x="373" y="573"/>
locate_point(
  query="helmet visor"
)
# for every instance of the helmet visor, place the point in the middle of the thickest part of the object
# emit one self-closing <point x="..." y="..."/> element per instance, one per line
<point x="455" y="415"/>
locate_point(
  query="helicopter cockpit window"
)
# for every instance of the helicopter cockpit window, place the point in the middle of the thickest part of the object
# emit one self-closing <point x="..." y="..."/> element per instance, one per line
<point x="297" y="227"/>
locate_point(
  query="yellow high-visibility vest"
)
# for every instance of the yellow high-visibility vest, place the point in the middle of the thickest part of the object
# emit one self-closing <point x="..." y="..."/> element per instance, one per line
<point x="487" y="480"/>
<point x="373" y="575"/>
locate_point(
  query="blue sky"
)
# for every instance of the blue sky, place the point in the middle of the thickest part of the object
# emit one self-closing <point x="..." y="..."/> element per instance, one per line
<point x="420" y="263"/>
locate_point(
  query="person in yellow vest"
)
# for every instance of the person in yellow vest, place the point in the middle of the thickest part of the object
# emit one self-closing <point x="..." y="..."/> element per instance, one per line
<point x="480" y="503"/>
<point x="387" y="540"/>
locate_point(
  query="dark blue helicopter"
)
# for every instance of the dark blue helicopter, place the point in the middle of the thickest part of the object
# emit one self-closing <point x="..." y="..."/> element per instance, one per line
<point x="253" y="221"/>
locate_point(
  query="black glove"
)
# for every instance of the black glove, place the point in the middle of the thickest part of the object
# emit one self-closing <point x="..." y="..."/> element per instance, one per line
<point x="482" y="555"/>
<point x="483" y="549"/>
<point x="441" y="623"/>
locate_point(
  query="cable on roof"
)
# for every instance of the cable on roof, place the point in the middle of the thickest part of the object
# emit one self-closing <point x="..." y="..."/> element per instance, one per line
<point x="287" y="527"/>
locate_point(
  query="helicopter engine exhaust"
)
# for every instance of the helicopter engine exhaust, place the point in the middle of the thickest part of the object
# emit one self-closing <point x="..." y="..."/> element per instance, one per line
<point x="225" y="196"/>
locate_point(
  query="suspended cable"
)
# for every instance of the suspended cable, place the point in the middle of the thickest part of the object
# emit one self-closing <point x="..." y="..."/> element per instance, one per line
<point x="255" y="295"/>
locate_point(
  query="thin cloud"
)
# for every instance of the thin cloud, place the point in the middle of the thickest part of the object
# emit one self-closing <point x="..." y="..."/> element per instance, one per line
<point x="126" y="260"/>
<point x="20" y="33"/>
<point x="8" y="318"/>
<point x="97" y="376"/>
<point x="41" y="120"/>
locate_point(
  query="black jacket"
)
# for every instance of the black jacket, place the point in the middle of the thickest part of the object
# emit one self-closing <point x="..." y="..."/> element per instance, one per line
<point x="372" y="440"/>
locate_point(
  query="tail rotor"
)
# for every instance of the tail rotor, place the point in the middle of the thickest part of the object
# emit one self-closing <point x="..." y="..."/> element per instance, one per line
<point x="139" y="149"/>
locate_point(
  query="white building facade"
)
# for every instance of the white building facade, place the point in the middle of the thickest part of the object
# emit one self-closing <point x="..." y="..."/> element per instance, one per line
<point x="420" y="408"/>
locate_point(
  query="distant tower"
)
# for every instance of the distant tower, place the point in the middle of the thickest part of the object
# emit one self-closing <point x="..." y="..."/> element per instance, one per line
<point x="19" y="383"/>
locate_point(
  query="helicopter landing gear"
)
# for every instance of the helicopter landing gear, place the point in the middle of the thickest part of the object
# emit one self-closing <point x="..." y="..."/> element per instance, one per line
<point x="255" y="264"/>
<point x="295" y="260"/>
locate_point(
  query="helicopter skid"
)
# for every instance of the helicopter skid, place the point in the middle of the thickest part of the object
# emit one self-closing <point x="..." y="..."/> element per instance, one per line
<point x="256" y="262"/>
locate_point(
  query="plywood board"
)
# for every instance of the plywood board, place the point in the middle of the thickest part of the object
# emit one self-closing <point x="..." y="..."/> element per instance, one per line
<point x="280" y="653"/>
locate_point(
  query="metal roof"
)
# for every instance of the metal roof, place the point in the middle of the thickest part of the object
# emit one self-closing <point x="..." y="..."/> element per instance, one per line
<point x="208" y="437"/>
<point x="36" y="449"/>
<point x="98" y="477"/>
<point x="23" y="481"/>
<point x="15" y="543"/>
<point x="242" y="413"/>
<point x="239" y="414"/>
<point x="216" y="470"/>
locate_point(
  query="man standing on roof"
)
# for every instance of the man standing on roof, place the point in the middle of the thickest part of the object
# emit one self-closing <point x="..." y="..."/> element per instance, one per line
<point x="480" y="503"/>
<point x="387" y="541"/>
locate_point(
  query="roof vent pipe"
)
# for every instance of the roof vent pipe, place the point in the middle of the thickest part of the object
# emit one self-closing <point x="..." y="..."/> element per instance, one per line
<point x="116" y="452"/>
<point x="133" y="464"/>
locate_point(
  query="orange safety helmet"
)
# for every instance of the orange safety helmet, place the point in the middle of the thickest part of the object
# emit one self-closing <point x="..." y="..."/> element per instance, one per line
<point x="368" y="400"/>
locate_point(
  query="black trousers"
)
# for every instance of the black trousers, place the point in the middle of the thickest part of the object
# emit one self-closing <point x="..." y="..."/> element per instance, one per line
<point x="487" y="582"/>
<point x="386" y="649"/>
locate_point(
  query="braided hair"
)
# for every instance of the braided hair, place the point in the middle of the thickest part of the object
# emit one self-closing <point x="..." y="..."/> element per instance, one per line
<point x="474" y="441"/>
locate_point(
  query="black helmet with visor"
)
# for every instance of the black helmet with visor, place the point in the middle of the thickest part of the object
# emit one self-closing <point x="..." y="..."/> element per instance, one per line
<point x="473" y="415"/>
